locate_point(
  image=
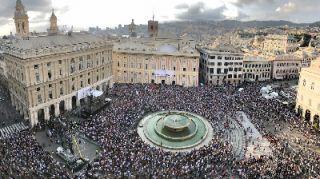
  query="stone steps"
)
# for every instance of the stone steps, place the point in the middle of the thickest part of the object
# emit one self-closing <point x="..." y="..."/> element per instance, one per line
<point x="9" y="131"/>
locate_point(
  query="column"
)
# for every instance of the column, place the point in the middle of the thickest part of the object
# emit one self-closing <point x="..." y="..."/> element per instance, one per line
<point x="78" y="102"/>
<point x="34" y="119"/>
<point x="68" y="105"/>
<point x="57" y="110"/>
<point x="111" y="83"/>
<point x="25" y="115"/>
<point x="46" y="113"/>
<point x="21" y="110"/>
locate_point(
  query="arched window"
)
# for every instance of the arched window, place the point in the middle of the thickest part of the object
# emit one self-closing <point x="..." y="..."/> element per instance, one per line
<point x="304" y="82"/>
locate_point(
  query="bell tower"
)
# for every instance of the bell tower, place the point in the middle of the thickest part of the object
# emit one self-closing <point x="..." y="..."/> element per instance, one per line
<point x="53" y="24"/>
<point x="153" y="27"/>
<point x="21" y="20"/>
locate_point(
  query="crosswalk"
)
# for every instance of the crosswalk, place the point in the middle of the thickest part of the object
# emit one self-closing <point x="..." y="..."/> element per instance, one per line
<point x="9" y="131"/>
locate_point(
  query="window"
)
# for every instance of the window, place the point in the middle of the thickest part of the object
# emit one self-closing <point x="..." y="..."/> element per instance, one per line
<point x="60" y="71"/>
<point x="37" y="77"/>
<point x="184" y="69"/>
<point x="49" y="75"/>
<point x="48" y="64"/>
<point x="73" y="88"/>
<point x="61" y="90"/>
<point x="174" y="68"/>
<point x="118" y="64"/>
<point x="36" y="66"/>
<point x="60" y="62"/>
<point x="194" y="69"/>
<point x="61" y="82"/>
<point x="50" y="85"/>
<point x="304" y="82"/>
<point x="39" y="98"/>
<point x="81" y="84"/>
<point x="312" y="86"/>
<point x="38" y="89"/>
<point x="89" y="81"/>
<point x="50" y="94"/>
<point x="146" y="66"/>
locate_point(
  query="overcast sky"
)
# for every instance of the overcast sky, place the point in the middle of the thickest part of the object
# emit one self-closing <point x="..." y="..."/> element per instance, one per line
<point x="105" y="13"/>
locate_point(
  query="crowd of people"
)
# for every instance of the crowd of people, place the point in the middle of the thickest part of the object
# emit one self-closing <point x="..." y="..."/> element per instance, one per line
<point x="124" y="154"/>
<point x="23" y="157"/>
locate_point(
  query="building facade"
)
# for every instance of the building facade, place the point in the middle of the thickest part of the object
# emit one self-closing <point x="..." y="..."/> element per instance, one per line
<point x="44" y="80"/>
<point x="221" y="65"/>
<point x="46" y="73"/>
<point x="308" y="96"/>
<point x="155" y="62"/>
<point x="256" y="68"/>
<point x="279" y="44"/>
<point x="286" y="67"/>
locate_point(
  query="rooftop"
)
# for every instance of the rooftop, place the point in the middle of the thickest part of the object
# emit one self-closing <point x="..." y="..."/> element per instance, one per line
<point x="54" y="41"/>
<point x="157" y="47"/>
<point x="48" y="45"/>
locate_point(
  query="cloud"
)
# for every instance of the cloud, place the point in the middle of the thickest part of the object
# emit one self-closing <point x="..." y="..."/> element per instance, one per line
<point x="199" y="11"/>
<point x="182" y="6"/>
<point x="242" y="3"/>
<point x="7" y="7"/>
<point x="286" y="8"/>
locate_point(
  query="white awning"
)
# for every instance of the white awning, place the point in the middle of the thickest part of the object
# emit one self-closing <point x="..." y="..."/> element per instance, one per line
<point x="96" y="93"/>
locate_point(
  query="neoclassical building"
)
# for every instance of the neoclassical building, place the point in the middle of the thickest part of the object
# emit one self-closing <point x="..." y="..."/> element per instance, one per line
<point x="308" y="96"/>
<point x="45" y="74"/>
<point x="286" y="67"/>
<point x="256" y="68"/>
<point x="221" y="65"/>
<point x="160" y="61"/>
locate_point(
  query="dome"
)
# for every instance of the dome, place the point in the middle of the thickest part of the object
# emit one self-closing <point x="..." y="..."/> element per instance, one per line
<point x="167" y="48"/>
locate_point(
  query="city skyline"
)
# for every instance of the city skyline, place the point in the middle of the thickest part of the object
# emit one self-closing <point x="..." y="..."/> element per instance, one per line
<point x="82" y="15"/>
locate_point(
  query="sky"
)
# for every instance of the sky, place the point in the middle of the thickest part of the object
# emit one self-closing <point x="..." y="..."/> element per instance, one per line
<point x="82" y="14"/>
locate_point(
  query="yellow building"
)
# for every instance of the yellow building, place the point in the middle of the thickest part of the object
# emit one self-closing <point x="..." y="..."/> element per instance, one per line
<point x="279" y="44"/>
<point x="45" y="74"/>
<point x="160" y="61"/>
<point x="308" y="96"/>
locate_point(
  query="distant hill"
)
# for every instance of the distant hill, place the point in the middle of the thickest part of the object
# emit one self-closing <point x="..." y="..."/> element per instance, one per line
<point x="315" y="24"/>
<point x="258" y="24"/>
<point x="241" y="24"/>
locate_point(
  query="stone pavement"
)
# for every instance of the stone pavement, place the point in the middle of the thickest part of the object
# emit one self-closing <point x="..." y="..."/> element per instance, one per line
<point x="257" y="144"/>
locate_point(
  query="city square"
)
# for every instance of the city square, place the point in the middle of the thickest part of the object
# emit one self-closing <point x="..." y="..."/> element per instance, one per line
<point x="212" y="92"/>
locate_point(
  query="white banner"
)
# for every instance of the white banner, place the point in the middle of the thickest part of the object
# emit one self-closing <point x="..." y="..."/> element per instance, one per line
<point x="164" y="73"/>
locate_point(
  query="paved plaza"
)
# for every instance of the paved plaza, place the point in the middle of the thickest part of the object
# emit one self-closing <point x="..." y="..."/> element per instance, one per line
<point x="251" y="136"/>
